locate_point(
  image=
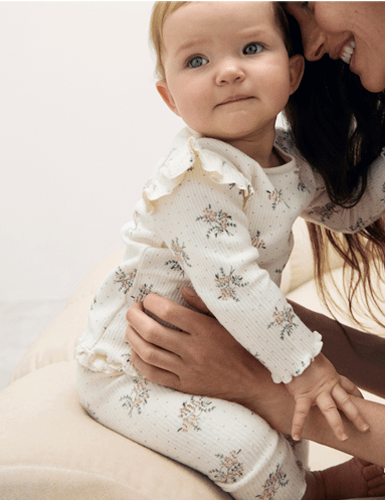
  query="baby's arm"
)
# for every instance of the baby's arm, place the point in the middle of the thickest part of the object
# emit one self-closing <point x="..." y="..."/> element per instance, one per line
<point x="321" y="385"/>
<point x="205" y="226"/>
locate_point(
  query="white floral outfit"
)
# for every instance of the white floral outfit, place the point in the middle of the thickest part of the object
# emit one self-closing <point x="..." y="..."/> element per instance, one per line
<point x="212" y="218"/>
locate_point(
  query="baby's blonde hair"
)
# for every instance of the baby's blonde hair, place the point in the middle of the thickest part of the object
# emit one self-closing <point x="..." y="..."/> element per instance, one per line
<point x="161" y="11"/>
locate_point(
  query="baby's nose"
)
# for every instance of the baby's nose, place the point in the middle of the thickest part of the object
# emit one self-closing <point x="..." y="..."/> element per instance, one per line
<point x="229" y="71"/>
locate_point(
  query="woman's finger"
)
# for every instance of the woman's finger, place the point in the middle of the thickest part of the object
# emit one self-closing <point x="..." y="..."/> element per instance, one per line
<point x="151" y="354"/>
<point x="194" y="300"/>
<point x="154" y="374"/>
<point x="177" y="315"/>
<point x="153" y="332"/>
<point x="346" y="405"/>
<point x="328" y="407"/>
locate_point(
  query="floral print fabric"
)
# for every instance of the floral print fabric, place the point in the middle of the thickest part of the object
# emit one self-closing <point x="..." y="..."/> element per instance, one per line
<point x="235" y="448"/>
<point x="212" y="218"/>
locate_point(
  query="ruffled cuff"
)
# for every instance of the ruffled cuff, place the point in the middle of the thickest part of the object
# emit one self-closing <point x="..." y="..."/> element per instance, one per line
<point x="296" y="360"/>
<point x="99" y="363"/>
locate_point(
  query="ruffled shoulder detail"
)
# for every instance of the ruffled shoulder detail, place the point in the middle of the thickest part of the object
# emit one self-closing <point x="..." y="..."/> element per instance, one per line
<point x="190" y="154"/>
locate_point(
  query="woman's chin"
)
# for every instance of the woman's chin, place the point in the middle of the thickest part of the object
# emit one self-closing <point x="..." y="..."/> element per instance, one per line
<point x="375" y="84"/>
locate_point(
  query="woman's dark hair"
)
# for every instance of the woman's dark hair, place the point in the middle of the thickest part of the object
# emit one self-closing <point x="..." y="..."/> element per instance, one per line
<point x="338" y="127"/>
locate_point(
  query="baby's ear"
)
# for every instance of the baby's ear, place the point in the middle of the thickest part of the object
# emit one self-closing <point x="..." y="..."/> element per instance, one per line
<point x="296" y="67"/>
<point x="164" y="92"/>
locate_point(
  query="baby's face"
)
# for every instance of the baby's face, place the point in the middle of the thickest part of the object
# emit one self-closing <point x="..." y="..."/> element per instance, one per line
<point x="227" y="68"/>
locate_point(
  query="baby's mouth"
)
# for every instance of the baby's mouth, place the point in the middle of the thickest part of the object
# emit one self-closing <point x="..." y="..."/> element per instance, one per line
<point x="235" y="98"/>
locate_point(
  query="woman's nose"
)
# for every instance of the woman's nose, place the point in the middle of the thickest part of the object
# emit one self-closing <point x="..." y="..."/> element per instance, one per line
<point x="229" y="71"/>
<point x="314" y="44"/>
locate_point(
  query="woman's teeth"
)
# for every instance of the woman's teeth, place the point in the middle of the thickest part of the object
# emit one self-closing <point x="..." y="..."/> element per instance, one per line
<point x="348" y="52"/>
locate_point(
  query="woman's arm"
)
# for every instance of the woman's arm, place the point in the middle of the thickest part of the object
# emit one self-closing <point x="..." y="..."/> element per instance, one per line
<point x="367" y="210"/>
<point x="277" y="407"/>
<point x="205" y="359"/>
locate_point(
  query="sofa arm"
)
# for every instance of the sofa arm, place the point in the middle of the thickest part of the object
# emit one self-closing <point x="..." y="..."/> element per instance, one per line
<point x="58" y="341"/>
<point x="51" y="449"/>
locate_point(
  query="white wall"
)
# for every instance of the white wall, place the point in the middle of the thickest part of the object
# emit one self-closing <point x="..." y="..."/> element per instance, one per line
<point x="81" y="126"/>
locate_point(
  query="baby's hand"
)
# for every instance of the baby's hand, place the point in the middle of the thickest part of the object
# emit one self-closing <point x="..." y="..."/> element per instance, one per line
<point x="321" y="385"/>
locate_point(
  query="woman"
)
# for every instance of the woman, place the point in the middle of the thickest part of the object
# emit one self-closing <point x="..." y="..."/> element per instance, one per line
<point x="326" y="28"/>
<point x="204" y="359"/>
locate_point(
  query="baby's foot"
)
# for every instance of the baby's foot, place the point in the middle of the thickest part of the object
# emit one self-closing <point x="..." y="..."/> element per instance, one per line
<point x="353" y="479"/>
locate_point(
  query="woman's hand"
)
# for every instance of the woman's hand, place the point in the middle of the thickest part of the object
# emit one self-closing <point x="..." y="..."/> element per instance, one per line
<point x="201" y="359"/>
<point x="205" y="359"/>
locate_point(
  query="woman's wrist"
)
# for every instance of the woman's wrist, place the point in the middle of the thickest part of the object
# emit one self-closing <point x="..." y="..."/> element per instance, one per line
<point x="272" y="402"/>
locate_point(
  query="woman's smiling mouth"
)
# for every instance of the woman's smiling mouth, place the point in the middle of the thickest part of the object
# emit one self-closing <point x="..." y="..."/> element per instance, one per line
<point x="344" y="51"/>
<point x="347" y="52"/>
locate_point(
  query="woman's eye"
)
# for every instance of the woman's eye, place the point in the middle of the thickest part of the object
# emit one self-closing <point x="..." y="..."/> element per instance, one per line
<point x="253" y="48"/>
<point x="197" y="61"/>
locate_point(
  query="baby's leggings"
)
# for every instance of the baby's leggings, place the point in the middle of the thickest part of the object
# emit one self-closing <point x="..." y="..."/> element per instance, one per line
<point x="231" y="445"/>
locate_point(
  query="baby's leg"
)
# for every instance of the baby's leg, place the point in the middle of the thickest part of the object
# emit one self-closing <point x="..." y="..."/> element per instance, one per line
<point x="235" y="448"/>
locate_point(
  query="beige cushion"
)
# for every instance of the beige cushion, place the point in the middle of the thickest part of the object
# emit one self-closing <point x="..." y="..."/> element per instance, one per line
<point x="57" y="342"/>
<point x="50" y="448"/>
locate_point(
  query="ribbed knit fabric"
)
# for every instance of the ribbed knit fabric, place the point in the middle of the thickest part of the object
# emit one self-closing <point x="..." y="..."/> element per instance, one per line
<point x="231" y="445"/>
<point x="213" y="218"/>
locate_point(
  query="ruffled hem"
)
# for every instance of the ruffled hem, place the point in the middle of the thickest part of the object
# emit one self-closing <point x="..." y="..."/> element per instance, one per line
<point x="99" y="363"/>
<point x="182" y="159"/>
<point x="286" y="377"/>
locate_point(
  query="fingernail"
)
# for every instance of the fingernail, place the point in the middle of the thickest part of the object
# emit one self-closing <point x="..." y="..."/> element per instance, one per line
<point x="190" y="291"/>
<point x="344" y="437"/>
<point x="365" y="427"/>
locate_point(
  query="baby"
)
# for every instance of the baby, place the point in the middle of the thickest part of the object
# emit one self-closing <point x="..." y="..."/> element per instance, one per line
<point x="217" y="215"/>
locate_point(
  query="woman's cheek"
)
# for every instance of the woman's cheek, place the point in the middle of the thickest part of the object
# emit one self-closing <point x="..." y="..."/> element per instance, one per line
<point x="332" y="16"/>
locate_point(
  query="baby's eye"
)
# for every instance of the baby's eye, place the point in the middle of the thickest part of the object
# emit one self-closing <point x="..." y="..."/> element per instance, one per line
<point x="253" y="48"/>
<point x="197" y="61"/>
